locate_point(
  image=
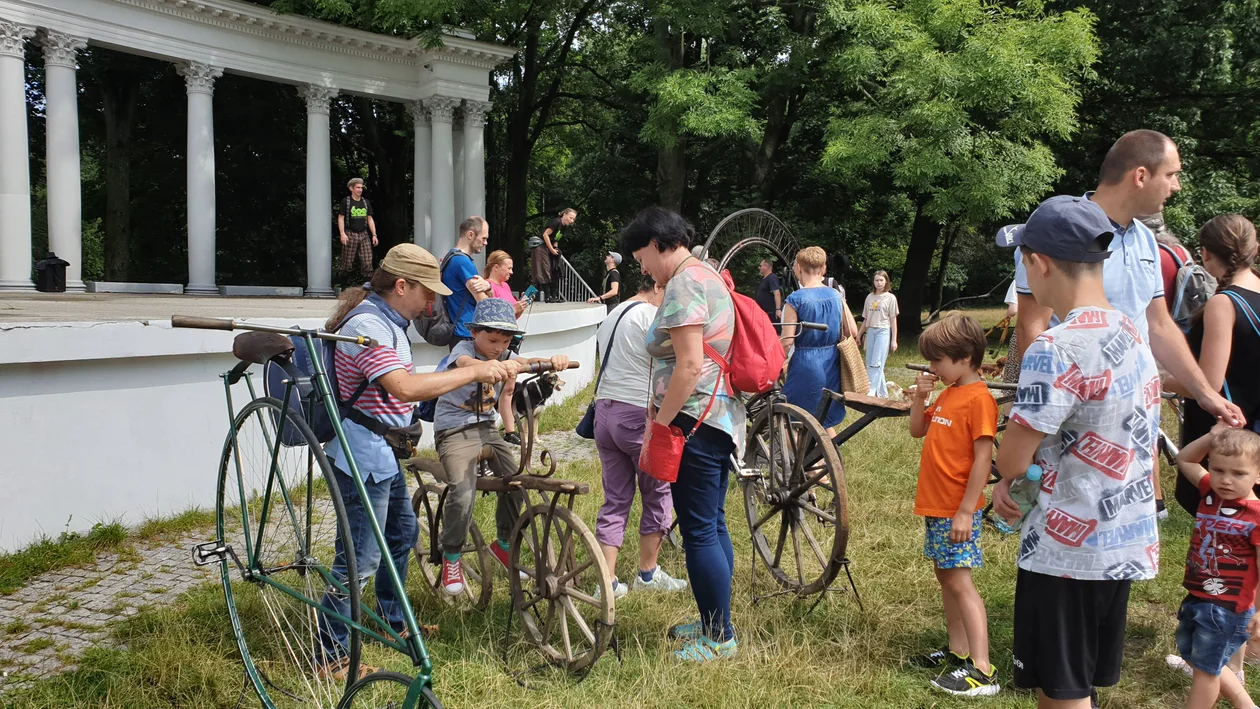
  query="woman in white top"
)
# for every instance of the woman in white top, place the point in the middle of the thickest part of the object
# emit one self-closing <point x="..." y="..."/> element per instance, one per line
<point x="621" y="398"/>
<point x="879" y="331"/>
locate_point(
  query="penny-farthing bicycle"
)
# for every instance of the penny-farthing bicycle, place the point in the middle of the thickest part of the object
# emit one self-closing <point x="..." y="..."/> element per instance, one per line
<point x="278" y="515"/>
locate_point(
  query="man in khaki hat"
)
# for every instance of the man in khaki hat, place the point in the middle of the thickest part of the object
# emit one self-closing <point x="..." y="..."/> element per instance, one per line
<point x="400" y="289"/>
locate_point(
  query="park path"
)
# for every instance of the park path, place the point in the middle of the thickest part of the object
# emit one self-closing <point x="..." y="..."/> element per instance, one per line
<point x="46" y="626"/>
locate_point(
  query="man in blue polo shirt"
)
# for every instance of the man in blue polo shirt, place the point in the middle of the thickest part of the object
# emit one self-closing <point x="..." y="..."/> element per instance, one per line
<point x="459" y="273"/>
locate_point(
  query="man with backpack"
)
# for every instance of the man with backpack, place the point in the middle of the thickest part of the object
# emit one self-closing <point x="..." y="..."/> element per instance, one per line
<point x="1187" y="286"/>
<point x="459" y="274"/>
<point x="407" y="280"/>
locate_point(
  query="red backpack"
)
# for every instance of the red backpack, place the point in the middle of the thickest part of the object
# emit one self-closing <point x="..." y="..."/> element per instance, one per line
<point x="756" y="356"/>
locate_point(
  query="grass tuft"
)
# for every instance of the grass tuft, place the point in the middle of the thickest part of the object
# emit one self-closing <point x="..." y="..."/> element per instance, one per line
<point x="48" y="554"/>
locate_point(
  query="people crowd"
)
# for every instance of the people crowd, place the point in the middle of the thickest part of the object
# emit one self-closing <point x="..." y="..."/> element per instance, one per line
<point x="1094" y="296"/>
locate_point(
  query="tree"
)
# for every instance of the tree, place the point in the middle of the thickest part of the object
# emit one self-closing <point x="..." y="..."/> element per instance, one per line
<point x="952" y="103"/>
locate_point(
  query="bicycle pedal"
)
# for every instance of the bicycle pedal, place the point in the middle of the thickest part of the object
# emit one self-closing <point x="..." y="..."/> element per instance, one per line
<point x="208" y="553"/>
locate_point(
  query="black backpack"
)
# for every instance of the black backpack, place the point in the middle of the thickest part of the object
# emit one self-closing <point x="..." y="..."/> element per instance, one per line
<point x="435" y="325"/>
<point x="305" y="399"/>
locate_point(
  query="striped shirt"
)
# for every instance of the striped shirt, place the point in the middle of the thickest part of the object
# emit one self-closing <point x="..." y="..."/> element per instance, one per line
<point x="354" y="364"/>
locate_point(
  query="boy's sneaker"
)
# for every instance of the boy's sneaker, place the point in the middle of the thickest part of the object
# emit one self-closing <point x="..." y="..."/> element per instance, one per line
<point x="1161" y="512"/>
<point x="691" y="630"/>
<point x="514" y="438"/>
<point x="661" y="581"/>
<point x="619" y="590"/>
<point x="452" y="577"/>
<point x="704" y="650"/>
<point x="968" y="681"/>
<point x="940" y="657"/>
<point x="501" y="555"/>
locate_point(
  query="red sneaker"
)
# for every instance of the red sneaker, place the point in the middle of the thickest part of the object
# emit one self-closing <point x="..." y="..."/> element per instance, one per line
<point x="452" y="577"/>
<point x="499" y="553"/>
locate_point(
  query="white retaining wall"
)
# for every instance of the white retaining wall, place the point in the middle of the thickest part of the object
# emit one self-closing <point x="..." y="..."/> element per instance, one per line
<point x="122" y="421"/>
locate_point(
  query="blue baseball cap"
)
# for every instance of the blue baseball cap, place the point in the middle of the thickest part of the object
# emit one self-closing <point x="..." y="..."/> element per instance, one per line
<point x="1065" y="228"/>
<point x="494" y="314"/>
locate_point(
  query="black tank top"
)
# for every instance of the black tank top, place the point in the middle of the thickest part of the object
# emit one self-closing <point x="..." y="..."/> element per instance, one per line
<point x="1242" y="374"/>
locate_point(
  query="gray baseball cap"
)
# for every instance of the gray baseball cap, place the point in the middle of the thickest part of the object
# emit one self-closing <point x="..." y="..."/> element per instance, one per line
<point x="1065" y="228"/>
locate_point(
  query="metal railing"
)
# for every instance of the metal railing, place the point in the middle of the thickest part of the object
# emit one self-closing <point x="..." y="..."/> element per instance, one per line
<point x="570" y="285"/>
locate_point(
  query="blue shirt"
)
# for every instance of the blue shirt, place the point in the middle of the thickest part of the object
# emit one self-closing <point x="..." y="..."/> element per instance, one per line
<point x="354" y="364"/>
<point x="1131" y="277"/>
<point x="460" y="304"/>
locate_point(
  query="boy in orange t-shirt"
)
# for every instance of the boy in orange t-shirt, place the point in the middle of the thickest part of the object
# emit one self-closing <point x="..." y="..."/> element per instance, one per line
<point x="957" y="453"/>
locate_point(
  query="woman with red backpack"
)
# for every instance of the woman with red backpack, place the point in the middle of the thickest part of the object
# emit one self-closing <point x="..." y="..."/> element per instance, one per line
<point x="690" y="392"/>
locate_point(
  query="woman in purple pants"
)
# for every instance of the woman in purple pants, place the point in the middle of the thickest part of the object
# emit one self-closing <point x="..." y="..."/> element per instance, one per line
<point x="620" y="418"/>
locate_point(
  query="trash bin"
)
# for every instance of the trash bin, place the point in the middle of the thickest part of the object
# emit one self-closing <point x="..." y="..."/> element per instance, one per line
<point x="50" y="274"/>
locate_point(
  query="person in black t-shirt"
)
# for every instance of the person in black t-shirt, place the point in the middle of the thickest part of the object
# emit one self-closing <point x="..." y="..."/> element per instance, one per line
<point x="770" y="294"/>
<point x="357" y="229"/>
<point x="545" y="255"/>
<point x="612" y="282"/>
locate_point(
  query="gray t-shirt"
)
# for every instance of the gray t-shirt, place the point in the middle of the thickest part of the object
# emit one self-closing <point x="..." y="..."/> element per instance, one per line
<point x="469" y="404"/>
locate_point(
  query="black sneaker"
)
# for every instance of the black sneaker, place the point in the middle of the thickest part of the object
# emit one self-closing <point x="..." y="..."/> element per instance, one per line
<point x="941" y="657"/>
<point x="968" y="681"/>
<point x="514" y="438"/>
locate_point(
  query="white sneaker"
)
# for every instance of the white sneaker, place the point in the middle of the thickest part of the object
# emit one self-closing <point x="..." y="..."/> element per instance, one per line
<point x="619" y="590"/>
<point x="1176" y="662"/>
<point x="661" y="581"/>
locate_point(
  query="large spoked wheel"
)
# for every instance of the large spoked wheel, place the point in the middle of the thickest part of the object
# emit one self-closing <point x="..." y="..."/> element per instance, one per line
<point x="561" y="587"/>
<point x="283" y="530"/>
<point x="794" y="496"/>
<point x="477" y="560"/>
<point x="386" y="690"/>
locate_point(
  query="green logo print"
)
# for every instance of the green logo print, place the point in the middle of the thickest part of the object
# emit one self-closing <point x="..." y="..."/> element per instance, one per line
<point x="358" y="211"/>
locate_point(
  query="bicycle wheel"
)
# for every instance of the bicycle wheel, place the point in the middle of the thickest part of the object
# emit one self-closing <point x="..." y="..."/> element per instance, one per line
<point x="563" y="566"/>
<point x="477" y="561"/>
<point x="386" y="690"/>
<point x="795" y="500"/>
<point x="282" y="528"/>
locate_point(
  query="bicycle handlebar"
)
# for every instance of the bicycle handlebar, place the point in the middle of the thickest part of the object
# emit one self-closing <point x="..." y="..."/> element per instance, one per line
<point x="1001" y="386"/>
<point x="202" y="323"/>
<point x="544" y="367"/>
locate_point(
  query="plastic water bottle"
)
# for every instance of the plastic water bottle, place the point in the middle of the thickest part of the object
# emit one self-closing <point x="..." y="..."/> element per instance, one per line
<point x="1024" y="492"/>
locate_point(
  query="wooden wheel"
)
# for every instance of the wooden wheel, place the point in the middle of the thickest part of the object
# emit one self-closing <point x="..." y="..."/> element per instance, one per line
<point x="478" y="562"/>
<point x="563" y="591"/>
<point x="795" y="500"/>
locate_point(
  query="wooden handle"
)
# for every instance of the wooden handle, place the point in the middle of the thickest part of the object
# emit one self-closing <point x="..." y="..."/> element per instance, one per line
<point x="201" y="323"/>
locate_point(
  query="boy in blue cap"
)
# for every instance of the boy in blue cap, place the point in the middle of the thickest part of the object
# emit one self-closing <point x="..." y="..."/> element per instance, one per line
<point x="1087" y="412"/>
<point x="464" y="422"/>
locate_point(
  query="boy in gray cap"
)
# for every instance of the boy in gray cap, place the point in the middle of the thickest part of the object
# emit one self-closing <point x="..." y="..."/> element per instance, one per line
<point x="612" y="282"/>
<point x="465" y="421"/>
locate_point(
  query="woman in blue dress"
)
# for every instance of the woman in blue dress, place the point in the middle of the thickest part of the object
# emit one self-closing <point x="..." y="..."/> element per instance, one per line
<point x="815" y="363"/>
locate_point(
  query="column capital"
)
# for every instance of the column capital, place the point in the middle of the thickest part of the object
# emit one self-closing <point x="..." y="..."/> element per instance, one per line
<point x="317" y="97"/>
<point x="441" y="108"/>
<point x="475" y="113"/>
<point x="60" y="49"/>
<point x="198" y="77"/>
<point x="13" y="38"/>
<point x="419" y="113"/>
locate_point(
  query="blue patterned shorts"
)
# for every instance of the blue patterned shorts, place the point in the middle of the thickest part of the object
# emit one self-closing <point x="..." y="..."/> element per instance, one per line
<point x="948" y="555"/>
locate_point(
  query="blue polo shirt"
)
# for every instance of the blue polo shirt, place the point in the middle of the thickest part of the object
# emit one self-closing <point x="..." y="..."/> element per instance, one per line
<point x="1131" y="277"/>
<point x="460" y="304"/>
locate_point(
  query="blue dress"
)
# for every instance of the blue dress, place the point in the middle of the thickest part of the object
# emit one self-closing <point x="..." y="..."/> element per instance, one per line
<point x="815" y="364"/>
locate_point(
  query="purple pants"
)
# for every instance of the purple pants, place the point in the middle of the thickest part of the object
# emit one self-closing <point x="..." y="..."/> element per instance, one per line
<point x="618" y="437"/>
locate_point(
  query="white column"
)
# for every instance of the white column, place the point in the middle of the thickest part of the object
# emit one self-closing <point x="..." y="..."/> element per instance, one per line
<point x="457" y="158"/>
<point x="318" y="191"/>
<point x="441" y="110"/>
<point x="423" y="173"/>
<point x="475" y="157"/>
<point x="199" y="79"/>
<point x="15" y="172"/>
<point x="65" y="208"/>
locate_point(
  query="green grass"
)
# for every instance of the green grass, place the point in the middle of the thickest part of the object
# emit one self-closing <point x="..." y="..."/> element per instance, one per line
<point x="79" y="549"/>
<point x="566" y="415"/>
<point x="836" y="656"/>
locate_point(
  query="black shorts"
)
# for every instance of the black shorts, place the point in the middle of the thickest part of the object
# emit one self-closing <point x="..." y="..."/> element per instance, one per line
<point x="1069" y="634"/>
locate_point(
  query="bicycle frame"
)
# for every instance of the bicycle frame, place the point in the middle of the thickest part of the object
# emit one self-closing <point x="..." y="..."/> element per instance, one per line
<point x="412" y="646"/>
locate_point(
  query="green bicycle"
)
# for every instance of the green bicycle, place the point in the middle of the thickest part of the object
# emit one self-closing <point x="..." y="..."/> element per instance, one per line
<point x="279" y="514"/>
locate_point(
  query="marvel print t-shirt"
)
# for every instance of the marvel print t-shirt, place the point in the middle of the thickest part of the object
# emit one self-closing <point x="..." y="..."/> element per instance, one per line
<point x="1091" y="386"/>
<point x="696" y="295"/>
<point x="356" y="212"/>
<point x="1221" y="564"/>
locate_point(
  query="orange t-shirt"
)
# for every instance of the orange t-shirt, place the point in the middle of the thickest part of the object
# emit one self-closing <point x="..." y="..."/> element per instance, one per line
<point x="960" y="415"/>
